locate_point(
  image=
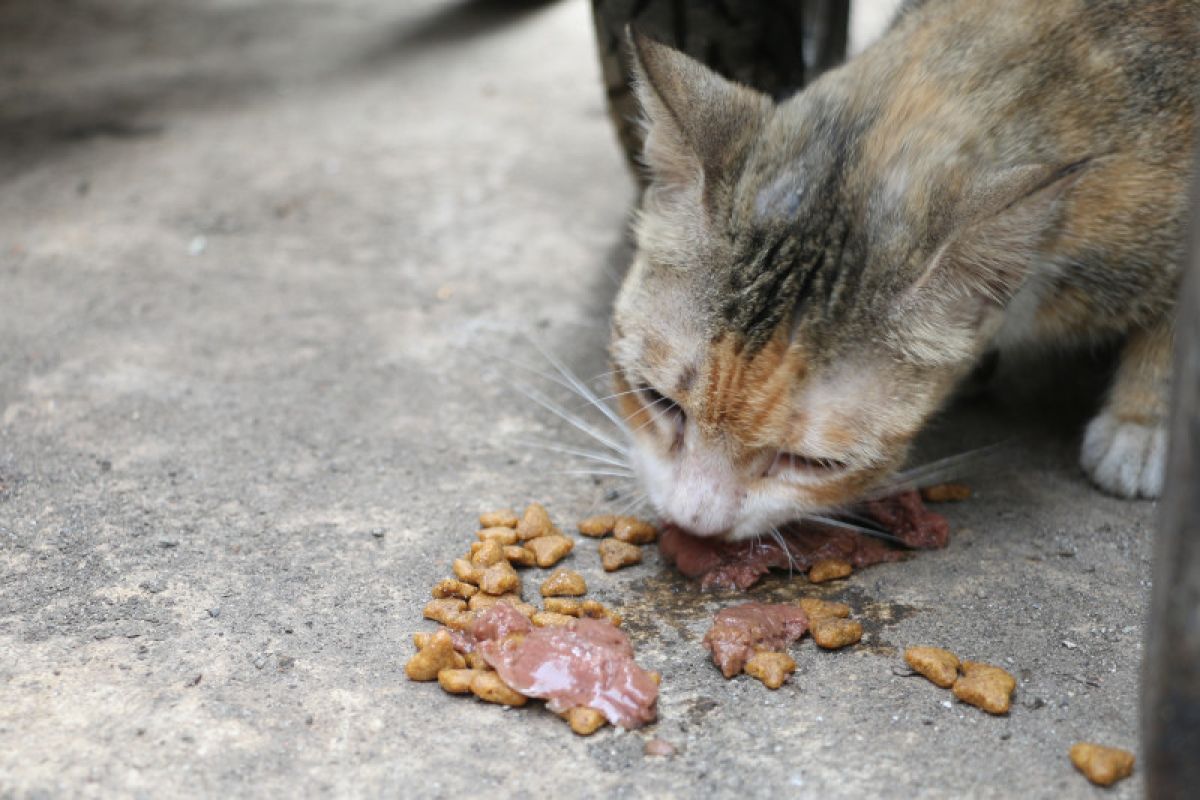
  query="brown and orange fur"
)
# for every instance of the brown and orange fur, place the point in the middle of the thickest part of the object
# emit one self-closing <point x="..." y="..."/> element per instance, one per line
<point x="814" y="277"/>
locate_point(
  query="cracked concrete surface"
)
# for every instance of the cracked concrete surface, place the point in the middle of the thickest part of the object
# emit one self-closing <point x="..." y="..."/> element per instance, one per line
<point x="265" y="269"/>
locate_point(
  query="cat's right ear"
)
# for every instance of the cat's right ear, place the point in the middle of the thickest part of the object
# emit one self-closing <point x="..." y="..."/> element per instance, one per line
<point x="697" y="124"/>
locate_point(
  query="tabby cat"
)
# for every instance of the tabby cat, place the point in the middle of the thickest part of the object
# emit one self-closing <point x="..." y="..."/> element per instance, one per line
<point x="814" y="276"/>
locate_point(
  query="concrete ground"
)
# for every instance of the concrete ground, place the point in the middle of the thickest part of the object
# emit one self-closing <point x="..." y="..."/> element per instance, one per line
<point x="264" y="267"/>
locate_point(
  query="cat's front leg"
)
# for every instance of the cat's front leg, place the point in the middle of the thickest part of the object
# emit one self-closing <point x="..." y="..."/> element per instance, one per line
<point x="1125" y="446"/>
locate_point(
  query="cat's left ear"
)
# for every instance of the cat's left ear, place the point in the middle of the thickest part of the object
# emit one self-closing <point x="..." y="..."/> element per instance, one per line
<point x="989" y="258"/>
<point x="697" y="123"/>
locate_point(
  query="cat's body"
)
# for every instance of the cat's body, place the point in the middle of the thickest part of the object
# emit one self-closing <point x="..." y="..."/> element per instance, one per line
<point x="814" y="277"/>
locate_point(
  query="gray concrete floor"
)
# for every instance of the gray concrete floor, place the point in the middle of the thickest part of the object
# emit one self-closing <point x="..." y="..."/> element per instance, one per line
<point x="261" y="263"/>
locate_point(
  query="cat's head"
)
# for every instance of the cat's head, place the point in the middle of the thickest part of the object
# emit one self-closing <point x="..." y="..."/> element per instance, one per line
<point x="794" y="314"/>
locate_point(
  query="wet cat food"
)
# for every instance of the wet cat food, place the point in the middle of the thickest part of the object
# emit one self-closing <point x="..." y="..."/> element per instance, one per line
<point x="1102" y="765"/>
<point x="738" y="632"/>
<point x="739" y="565"/>
<point x="587" y="662"/>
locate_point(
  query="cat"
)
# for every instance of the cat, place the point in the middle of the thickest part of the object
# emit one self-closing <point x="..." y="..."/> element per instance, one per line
<point x="813" y="277"/>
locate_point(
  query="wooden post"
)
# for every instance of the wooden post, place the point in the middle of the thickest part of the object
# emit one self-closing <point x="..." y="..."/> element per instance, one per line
<point x="1171" y="675"/>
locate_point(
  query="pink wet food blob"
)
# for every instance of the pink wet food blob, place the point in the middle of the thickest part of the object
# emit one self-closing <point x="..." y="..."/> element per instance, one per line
<point x="588" y="662"/>
<point x="738" y="632"/>
<point x="739" y="565"/>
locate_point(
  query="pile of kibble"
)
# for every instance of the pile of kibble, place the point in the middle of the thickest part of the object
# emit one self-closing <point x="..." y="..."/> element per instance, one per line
<point x="489" y="574"/>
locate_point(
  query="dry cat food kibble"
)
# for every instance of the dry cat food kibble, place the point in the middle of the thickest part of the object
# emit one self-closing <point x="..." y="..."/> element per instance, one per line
<point x="829" y="569"/>
<point x="634" y="531"/>
<point x="771" y="668"/>
<point x="452" y="588"/>
<point x="550" y="549"/>
<point x="816" y="608"/>
<point x="564" y="582"/>
<point x="938" y="665"/>
<point x="519" y="556"/>
<point x="985" y="686"/>
<point x="834" y="633"/>
<point x="583" y="720"/>
<point x="504" y="518"/>
<point x="536" y="523"/>
<point x="504" y="650"/>
<point x="616" y="554"/>
<point x="499" y="534"/>
<point x="597" y="526"/>
<point x="563" y="605"/>
<point x="946" y="493"/>
<point x="981" y="685"/>
<point x="437" y="654"/>
<point x="1102" y="765"/>
<point x="500" y="578"/>
<point x="490" y="687"/>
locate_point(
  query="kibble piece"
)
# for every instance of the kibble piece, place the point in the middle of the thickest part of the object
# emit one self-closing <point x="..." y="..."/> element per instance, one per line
<point x="504" y="518"/>
<point x="985" y="686"/>
<point x="615" y="554"/>
<point x="500" y="534"/>
<point x="938" y="665"/>
<point x="466" y="571"/>
<point x="421" y="638"/>
<point x="452" y="588"/>
<point x="829" y="569"/>
<point x="1102" y="765"/>
<point x="437" y="654"/>
<point x="482" y="601"/>
<point x="593" y="609"/>
<point x="476" y="661"/>
<point x="549" y="550"/>
<point x="456" y="681"/>
<point x="488" y="686"/>
<point x="770" y="668"/>
<point x="597" y="526"/>
<point x="564" y="582"/>
<point x="563" y="605"/>
<point x="815" y="608"/>
<point x="445" y="608"/>
<point x="535" y="523"/>
<point x="487" y="553"/>
<point x="500" y="578"/>
<point x="519" y="556"/>
<point x="833" y="633"/>
<point x="583" y="720"/>
<point x="634" y="530"/>
<point x="946" y="493"/>
<point x="545" y="619"/>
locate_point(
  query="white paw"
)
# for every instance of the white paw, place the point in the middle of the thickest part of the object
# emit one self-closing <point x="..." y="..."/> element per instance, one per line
<point x="1125" y="458"/>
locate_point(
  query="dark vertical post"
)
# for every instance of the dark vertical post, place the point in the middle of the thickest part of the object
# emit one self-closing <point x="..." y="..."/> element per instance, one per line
<point x="1171" y="676"/>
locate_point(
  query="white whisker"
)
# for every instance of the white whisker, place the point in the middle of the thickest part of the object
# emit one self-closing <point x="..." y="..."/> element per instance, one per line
<point x="594" y="455"/>
<point x="581" y="387"/>
<point x="606" y="472"/>
<point x="573" y="419"/>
